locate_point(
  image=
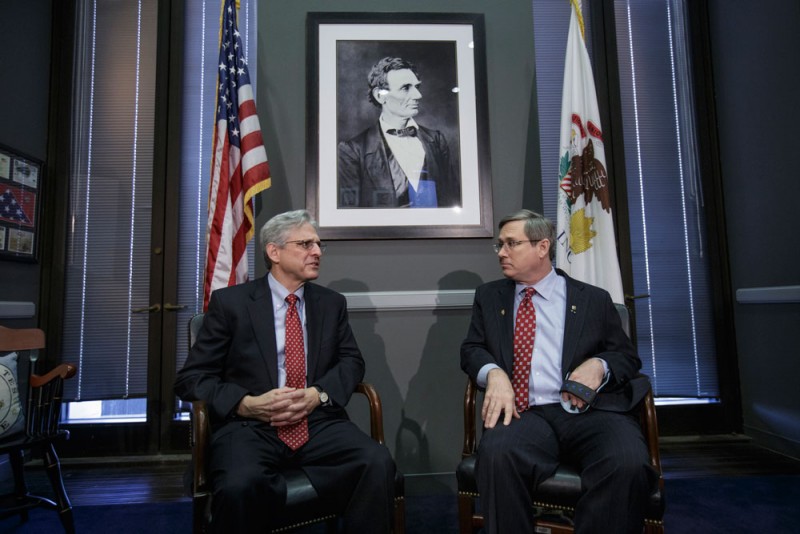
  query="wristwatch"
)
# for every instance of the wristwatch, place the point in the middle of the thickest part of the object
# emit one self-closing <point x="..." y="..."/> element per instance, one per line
<point x="323" y="397"/>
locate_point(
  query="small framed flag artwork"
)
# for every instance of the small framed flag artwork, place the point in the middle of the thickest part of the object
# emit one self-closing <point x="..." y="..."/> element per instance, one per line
<point x="20" y="187"/>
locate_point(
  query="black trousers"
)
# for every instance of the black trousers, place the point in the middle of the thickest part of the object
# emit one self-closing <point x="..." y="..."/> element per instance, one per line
<point x="348" y="469"/>
<point x="607" y="447"/>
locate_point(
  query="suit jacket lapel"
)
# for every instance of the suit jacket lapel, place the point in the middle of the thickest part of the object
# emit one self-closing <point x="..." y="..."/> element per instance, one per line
<point x="314" y="328"/>
<point x="505" y="323"/>
<point x="376" y="161"/>
<point x="262" y="318"/>
<point x="574" y="321"/>
<point x="431" y="162"/>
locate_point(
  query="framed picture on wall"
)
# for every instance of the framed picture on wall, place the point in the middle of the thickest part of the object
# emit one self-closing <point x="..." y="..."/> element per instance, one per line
<point x="20" y="186"/>
<point x="398" y="136"/>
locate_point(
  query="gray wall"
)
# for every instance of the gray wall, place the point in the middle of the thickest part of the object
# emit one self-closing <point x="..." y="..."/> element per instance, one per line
<point x="412" y="355"/>
<point x="25" y="64"/>
<point x="754" y="47"/>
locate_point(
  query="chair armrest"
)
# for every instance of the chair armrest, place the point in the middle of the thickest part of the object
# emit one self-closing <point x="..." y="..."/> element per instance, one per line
<point x="63" y="371"/>
<point x="375" y="411"/>
<point x="470" y="433"/>
<point x="45" y="396"/>
<point x="201" y="437"/>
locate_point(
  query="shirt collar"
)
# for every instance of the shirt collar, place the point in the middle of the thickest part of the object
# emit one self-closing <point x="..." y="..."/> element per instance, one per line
<point x="279" y="293"/>
<point x="385" y="127"/>
<point x="544" y="287"/>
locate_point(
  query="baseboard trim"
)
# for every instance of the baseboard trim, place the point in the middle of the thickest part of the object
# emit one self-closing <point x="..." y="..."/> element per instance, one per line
<point x="774" y="442"/>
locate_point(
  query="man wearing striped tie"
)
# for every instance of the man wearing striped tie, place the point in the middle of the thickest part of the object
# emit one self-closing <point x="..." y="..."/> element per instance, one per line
<point x="276" y="362"/>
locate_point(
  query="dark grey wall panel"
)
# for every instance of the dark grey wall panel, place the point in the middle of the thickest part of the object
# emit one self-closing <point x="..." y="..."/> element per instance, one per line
<point x="25" y="64"/>
<point x="754" y="47"/>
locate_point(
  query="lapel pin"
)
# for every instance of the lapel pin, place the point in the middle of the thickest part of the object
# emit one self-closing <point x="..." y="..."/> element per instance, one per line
<point x="573" y="309"/>
<point x="503" y="312"/>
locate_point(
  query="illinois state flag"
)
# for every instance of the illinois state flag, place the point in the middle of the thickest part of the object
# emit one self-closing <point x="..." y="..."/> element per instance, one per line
<point x="586" y="247"/>
<point x="239" y="167"/>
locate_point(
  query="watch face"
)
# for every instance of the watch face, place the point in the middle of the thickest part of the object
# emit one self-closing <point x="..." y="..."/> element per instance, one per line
<point x="323" y="397"/>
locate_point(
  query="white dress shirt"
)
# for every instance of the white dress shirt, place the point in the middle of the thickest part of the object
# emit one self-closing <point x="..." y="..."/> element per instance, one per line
<point x="407" y="151"/>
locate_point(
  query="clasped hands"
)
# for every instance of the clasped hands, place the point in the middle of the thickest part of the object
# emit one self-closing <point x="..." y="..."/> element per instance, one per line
<point x="499" y="396"/>
<point x="279" y="407"/>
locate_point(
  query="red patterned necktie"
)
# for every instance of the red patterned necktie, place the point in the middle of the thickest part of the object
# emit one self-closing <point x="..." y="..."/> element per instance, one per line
<point x="524" y="336"/>
<point x="296" y="435"/>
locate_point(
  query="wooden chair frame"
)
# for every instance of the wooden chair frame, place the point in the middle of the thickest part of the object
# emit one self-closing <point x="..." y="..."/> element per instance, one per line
<point x="42" y="430"/>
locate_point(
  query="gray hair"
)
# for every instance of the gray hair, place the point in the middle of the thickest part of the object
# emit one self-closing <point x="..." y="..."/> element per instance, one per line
<point x="537" y="227"/>
<point x="377" y="75"/>
<point x="277" y="228"/>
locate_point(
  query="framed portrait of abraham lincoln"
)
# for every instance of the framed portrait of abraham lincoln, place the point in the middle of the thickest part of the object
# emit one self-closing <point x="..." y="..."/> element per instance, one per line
<point x="397" y="127"/>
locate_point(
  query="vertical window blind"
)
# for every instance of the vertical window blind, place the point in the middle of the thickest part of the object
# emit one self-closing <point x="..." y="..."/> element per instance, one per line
<point x="110" y="214"/>
<point x="675" y="322"/>
<point x="108" y="270"/>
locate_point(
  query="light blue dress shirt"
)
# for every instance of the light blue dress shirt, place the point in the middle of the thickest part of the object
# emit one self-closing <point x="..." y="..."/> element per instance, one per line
<point x="279" y="308"/>
<point x="550" y="303"/>
<point x="546" y="378"/>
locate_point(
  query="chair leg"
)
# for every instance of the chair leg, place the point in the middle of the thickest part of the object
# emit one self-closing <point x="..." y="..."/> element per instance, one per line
<point x="466" y="507"/>
<point x="17" y="460"/>
<point x="53" y="469"/>
<point x="200" y="505"/>
<point x="399" y="516"/>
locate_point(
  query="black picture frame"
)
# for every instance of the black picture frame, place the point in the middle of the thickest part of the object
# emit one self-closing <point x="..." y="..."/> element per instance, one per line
<point x="449" y="52"/>
<point x="20" y="201"/>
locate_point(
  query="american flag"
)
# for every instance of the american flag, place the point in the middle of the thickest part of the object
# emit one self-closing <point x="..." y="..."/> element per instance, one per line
<point x="17" y="205"/>
<point x="239" y="167"/>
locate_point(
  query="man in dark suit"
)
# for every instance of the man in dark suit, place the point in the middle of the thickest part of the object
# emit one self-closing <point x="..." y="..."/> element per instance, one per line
<point x="396" y="163"/>
<point x="560" y="379"/>
<point x="276" y="362"/>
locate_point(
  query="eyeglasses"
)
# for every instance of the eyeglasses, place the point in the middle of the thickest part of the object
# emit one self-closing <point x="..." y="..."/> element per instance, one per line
<point x="308" y="244"/>
<point x="511" y="245"/>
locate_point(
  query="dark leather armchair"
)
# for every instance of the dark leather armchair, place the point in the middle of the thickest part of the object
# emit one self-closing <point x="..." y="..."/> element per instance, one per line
<point x="303" y="505"/>
<point x="42" y="410"/>
<point x="555" y="499"/>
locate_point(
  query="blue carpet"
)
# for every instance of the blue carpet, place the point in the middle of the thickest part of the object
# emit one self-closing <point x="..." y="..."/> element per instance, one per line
<point x="149" y="518"/>
<point x="733" y="505"/>
<point x="702" y="505"/>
